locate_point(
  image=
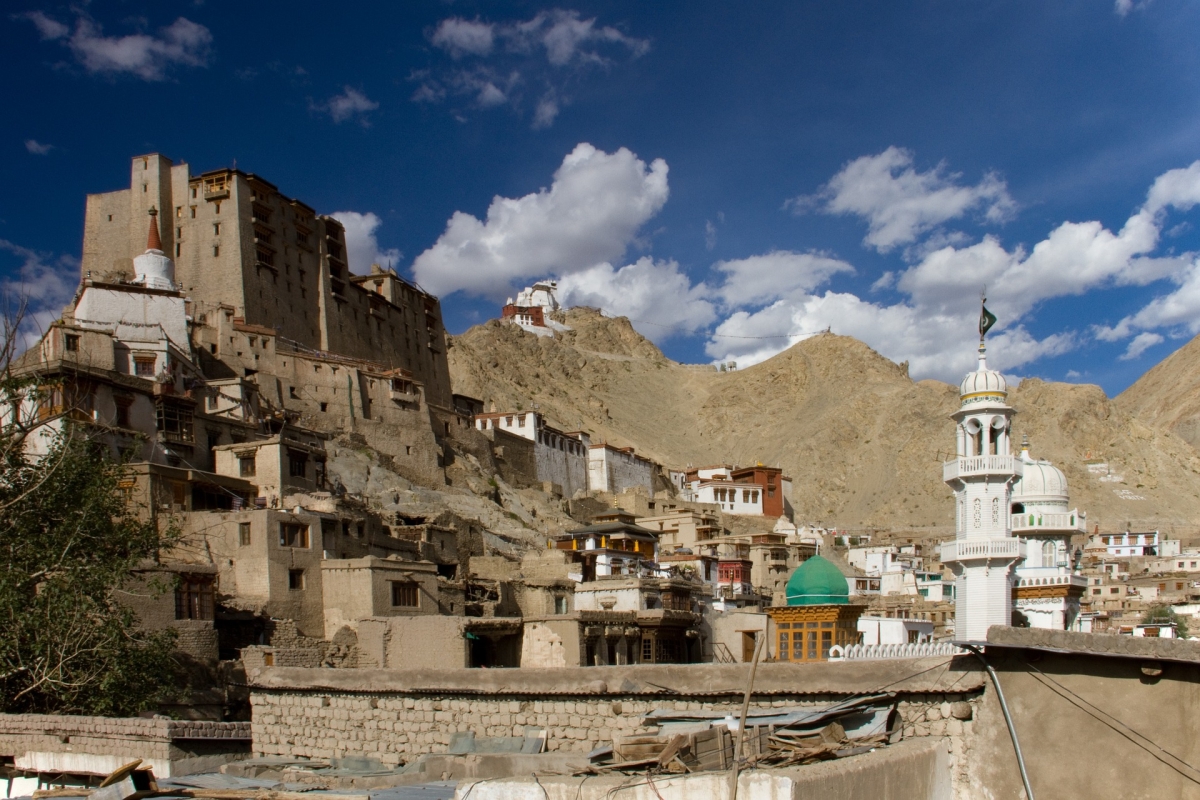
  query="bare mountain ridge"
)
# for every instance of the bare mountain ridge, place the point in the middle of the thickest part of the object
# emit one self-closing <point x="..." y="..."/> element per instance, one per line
<point x="862" y="442"/>
<point x="1168" y="395"/>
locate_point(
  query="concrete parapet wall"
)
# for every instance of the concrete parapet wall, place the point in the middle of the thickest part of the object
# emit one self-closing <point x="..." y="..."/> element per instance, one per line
<point x="396" y="715"/>
<point x="916" y="770"/>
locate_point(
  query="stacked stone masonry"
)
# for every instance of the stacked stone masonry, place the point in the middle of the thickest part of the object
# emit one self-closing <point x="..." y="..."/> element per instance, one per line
<point x="396" y="729"/>
<point x="396" y="721"/>
<point x="133" y="738"/>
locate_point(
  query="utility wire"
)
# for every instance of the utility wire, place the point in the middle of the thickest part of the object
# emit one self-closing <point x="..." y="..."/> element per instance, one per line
<point x="1099" y="714"/>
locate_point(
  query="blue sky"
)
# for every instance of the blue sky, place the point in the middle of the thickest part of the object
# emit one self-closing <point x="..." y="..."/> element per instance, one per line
<point x="730" y="176"/>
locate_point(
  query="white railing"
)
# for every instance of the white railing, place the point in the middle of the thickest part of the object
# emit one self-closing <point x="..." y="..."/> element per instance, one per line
<point x="1053" y="580"/>
<point x="1054" y="522"/>
<point x="967" y="549"/>
<point x="982" y="465"/>
<point x="876" y="652"/>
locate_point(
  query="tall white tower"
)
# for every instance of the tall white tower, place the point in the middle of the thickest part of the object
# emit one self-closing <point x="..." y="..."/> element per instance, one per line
<point x="984" y="550"/>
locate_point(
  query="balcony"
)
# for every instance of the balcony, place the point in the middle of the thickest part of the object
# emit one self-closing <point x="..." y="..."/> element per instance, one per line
<point x="981" y="466"/>
<point x="1053" y="580"/>
<point x="1044" y="523"/>
<point x="981" y="549"/>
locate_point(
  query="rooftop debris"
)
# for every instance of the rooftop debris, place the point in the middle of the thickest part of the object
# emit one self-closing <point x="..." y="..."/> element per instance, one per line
<point x="695" y="742"/>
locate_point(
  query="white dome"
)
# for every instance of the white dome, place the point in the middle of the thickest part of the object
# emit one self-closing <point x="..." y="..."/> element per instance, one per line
<point x="1042" y="482"/>
<point x="983" y="380"/>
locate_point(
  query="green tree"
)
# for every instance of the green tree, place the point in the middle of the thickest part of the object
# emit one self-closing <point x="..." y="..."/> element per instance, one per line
<point x="1163" y="615"/>
<point x="67" y="543"/>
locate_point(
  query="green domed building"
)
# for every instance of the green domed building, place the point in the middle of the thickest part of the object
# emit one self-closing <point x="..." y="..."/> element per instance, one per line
<point x="817" y="582"/>
<point x="818" y="614"/>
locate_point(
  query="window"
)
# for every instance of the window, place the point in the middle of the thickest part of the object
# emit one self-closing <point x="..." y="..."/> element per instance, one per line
<point x="216" y="229"/>
<point x="193" y="207"/>
<point x="214" y="439"/>
<point x="243" y="534"/>
<point x="292" y="393"/>
<point x="404" y="594"/>
<point x="295" y="579"/>
<point x="143" y="366"/>
<point x="246" y="466"/>
<point x="560" y="604"/>
<point x="175" y="422"/>
<point x="297" y="464"/>
<point x="123" y="404"/>
<point x="194" y="597"/>
<point x="1114" y="590"/>
<point x="71" y="343"/>
<point x="216" y="250"/>
<point x="292" y="534"/>
<point x="178" y="212"/>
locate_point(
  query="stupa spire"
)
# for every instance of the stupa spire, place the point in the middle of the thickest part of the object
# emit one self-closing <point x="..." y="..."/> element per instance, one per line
<point x="154" y="241"/>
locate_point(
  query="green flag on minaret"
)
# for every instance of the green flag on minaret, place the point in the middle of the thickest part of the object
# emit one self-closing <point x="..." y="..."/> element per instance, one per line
<point x="986" y="320"/>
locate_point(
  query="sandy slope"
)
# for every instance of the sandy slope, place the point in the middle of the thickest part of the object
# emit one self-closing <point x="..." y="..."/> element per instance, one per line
<point x="862" y="441"/>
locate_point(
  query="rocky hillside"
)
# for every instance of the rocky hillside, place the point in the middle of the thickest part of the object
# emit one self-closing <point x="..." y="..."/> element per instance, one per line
<point x="861" y="440"/>
<point x="1168" y="396"/>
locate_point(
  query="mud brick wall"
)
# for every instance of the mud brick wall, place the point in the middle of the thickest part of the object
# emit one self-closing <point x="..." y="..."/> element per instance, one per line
<point x="396" y="715"/>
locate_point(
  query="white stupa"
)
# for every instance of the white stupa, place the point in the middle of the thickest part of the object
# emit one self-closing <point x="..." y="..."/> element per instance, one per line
<point x="154" y="269"/>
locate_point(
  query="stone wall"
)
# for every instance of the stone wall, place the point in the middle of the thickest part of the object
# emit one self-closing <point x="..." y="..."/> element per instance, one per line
<point x="396" y="715"/>
<point x="98" y="745"/>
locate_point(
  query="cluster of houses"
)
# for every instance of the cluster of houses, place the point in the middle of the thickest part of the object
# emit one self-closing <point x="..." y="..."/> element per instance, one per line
<point x="217" y="343"/>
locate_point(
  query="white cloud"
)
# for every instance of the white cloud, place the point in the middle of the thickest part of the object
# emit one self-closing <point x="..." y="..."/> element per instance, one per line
<point x="49" y="28"/>
<point x="38" y="148"/>
<point x="46" y="283"/>
<point x="551" y="48"/>
<point x="941" y="304"/>
<point x="590" y="214"/>
<point x="659" y="300"/>
<point x="1123" y="7"/>
<point x="565" y="37"/>
<point x="776" y="274"/>
<point x="1140" y="344"/>
<point x="547" y="111"/>
<point x="710" y="235"/>
<point x="900" y="203"/>
<point x="351" y="103"/>
<point x="148" y="56"/>
<point x="362" y="246"/>
<point x="462" y="37"/>
<point x="935" y="345"/>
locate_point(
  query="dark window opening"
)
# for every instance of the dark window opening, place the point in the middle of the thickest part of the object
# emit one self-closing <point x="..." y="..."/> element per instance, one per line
<point x="404" y="595"/>
<point x="194" y="597"/>
<point x="293" y="534"/>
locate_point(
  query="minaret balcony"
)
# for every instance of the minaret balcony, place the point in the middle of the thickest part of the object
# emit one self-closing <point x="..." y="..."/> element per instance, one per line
<point x="1033" y="523"/>
<point x="1006" y="548"/>
<point x="981" y="466"/>
<point x="1068" y="579"/>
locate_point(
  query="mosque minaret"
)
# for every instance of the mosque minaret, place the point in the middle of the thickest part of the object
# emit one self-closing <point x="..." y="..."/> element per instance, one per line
<point x="984" y="550"/>
<point x="1013" y="522"/>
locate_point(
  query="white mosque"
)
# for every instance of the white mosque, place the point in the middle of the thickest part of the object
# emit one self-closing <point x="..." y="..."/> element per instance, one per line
<point x="1011" y="551"/>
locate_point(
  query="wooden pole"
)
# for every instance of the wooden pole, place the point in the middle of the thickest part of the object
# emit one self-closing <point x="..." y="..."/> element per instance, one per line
<point x="759" y="642"/>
